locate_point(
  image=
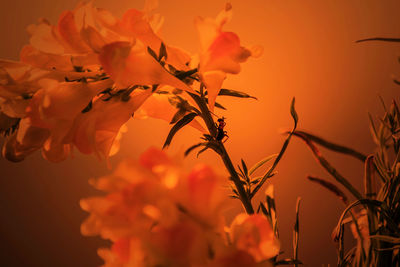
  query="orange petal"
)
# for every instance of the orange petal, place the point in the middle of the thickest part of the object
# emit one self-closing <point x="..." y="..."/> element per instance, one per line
<point x="96" y="129"/>
<point x="134" y="23"/>
<point x="213" y="81"/>
<point x="70" y="34"/>
<point x="130" y="66"/>
<point x="44" y="38"/>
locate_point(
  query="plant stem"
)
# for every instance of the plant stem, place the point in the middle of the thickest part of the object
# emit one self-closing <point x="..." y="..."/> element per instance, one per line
<point x="206" y="115"/>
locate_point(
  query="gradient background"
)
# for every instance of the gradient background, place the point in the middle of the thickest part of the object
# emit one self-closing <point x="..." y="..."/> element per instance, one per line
<point x="309" y="53"/>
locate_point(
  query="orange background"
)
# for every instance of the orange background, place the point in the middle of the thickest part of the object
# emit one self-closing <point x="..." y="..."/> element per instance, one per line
<point x="309" y="53"/>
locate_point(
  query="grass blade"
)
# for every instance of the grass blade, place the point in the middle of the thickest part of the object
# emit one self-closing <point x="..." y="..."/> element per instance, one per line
<point x="328" y="167"/>
<point x="283" y="149"/>
<point x="261" y="163"/>
<point x="334" y="147"/>
<point x="331" y="187"/>
<point x="381" y="39"/>
<point x="296" y="231"/>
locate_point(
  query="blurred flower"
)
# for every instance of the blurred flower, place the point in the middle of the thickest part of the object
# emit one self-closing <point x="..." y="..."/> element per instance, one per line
<point x="254" y="234"/>
<point x="221" y="52"/>
<point x="157" y="214"/>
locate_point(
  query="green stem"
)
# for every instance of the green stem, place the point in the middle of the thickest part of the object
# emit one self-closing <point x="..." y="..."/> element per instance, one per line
<point x="206" y="115"/>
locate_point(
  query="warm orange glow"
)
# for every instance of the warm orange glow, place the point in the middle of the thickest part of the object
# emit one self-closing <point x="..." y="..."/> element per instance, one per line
<point x="309" y="53"/>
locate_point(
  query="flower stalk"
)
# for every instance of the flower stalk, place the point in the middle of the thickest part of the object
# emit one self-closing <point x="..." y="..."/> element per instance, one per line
<point x="206" y="116"/>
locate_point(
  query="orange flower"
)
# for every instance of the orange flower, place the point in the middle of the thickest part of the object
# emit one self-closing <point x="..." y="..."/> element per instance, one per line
<point x="221" y="52"/>
<point x="174" y="216"/>
<point x="129" y="65"/>
<point x="254" y="234"/>
<point x="70" y="72"/>
<point x="95" y="131"/>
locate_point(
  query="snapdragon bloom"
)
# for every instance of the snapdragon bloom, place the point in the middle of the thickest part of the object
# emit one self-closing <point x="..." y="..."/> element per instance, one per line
<point x="221" y="52"/>
<point x="79" y="81"/>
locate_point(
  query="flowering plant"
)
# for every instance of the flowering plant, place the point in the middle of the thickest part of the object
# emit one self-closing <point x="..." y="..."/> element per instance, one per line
<point x="78" y="82"/>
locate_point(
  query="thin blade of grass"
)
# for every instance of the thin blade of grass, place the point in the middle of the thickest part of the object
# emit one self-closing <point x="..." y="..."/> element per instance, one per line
<point x="283" y="149"/>
<point x="334" y="147"/>
<point x="328" y="167"/>
<point x="261" y="163"/>
<point x="296" y="235"/>
<point x="380" y="39"/>
<point x="331" y="187"/>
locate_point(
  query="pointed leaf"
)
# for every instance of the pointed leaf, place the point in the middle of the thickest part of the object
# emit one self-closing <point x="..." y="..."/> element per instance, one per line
<point x="396" y="40"/>
<point x="245" y="171"/>
<point x="184" y="121"/>
<point x="261" y="163"/>
<point x="293" y="112"/>
<point x="234" y="93"/>
<point x="163" y="52"/>
<point x="152" y="53"/>
<point x="190" y="149"/>
<point x="334" y="147"/>
<point x="296" y="232"/>
<point x="331" y="187"/>
<point x="177" y="116"/>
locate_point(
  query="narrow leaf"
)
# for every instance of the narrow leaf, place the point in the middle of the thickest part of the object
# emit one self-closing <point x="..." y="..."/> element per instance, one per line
<point x="184" y="121"/>
<point x="331" y="187"/>
<point x="177" y="116"/>
<point x="334" y="147"/>
<point x="280" y="155"/>
<point x="162" y="52"/>
<point x="184" y="74"/>
<point x="244" y="168"/>
<point x="381" y="39"/>
<point x="88" y="107"/>
<point x="190" y="149"/>
<point x="369" y="177"/>
<point x="152" y="53"/>
<point x="261" y="163"/>
<point x="328" y="167"/>
<point x="234" y="93"/>
<point x="296" y="233"/>
<point x="293" y="112"/>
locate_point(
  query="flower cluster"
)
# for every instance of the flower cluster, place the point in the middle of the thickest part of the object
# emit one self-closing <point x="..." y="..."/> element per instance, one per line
<point x="79" y="81"/>
<point x="156" y="214"/>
